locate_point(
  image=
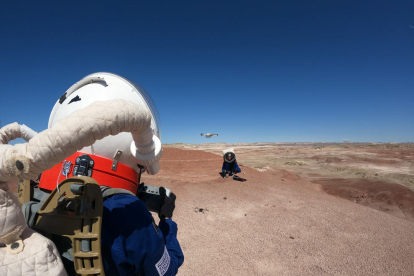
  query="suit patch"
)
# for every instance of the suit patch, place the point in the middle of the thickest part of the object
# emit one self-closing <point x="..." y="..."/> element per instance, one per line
<point x="164" y="263"/>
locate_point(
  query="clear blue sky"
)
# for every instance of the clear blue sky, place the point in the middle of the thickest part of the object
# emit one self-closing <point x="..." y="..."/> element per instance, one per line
<point x="252" y="71"/>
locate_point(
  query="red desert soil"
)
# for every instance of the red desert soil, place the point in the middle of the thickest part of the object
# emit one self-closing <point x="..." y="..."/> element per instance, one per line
<point x="391" y="198"/>
<point x="276" y="223"/>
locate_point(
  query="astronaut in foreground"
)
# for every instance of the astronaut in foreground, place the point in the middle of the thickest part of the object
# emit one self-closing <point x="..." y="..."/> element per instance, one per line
<point x="131" y="242"/>
<point x="103" y="127"/>
<point x="230" y="165"/>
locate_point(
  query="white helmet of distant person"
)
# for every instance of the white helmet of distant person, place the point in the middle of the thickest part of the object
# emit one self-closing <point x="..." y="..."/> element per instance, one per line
<point x="116" y="150"/>
<point x="229" y="156"/>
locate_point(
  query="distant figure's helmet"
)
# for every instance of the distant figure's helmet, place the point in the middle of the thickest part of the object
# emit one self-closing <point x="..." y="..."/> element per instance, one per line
<point x="229" y="157"/>
<point x="114" y="165"/>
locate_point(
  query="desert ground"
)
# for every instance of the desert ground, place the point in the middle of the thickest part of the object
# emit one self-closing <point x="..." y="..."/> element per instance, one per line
<point x="305" y="209"/>
<point x="380" y="176"/>
<point x="292" y="219"/>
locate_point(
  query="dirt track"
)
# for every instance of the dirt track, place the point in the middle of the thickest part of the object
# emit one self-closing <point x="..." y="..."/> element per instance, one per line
<point x="276" y="223"/>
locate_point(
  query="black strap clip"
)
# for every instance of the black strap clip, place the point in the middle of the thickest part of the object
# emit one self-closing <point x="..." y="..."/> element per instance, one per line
<point x="84" y="165"/>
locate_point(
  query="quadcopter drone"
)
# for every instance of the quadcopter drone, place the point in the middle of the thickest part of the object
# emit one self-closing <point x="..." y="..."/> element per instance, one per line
<point x="208" y="135"/>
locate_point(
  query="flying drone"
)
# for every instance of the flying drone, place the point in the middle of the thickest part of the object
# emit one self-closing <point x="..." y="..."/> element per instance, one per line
<point x="208" y="135"/>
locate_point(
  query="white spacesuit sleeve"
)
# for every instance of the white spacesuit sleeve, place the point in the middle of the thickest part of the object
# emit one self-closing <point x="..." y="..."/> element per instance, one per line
<point x="9" y="133"/>
<point x="27" y="133"/>
<point x="80" y="129"/>
<point x="13" y="131"/>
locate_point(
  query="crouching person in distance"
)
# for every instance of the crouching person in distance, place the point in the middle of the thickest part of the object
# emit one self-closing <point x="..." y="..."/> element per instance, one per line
<point x="230" y="165"/>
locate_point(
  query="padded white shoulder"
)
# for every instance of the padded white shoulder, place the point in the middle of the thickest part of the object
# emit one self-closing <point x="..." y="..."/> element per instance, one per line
<point x="26" y="252"/>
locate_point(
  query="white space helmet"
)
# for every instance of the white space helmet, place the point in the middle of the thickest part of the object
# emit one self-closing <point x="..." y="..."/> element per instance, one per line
<point x="102" y="87"/>
<point x="228" y="152"/>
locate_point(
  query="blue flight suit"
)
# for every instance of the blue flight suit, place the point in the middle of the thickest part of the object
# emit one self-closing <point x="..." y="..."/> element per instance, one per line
<point x="231" y="167"/>
<point x="132" y="244"/>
